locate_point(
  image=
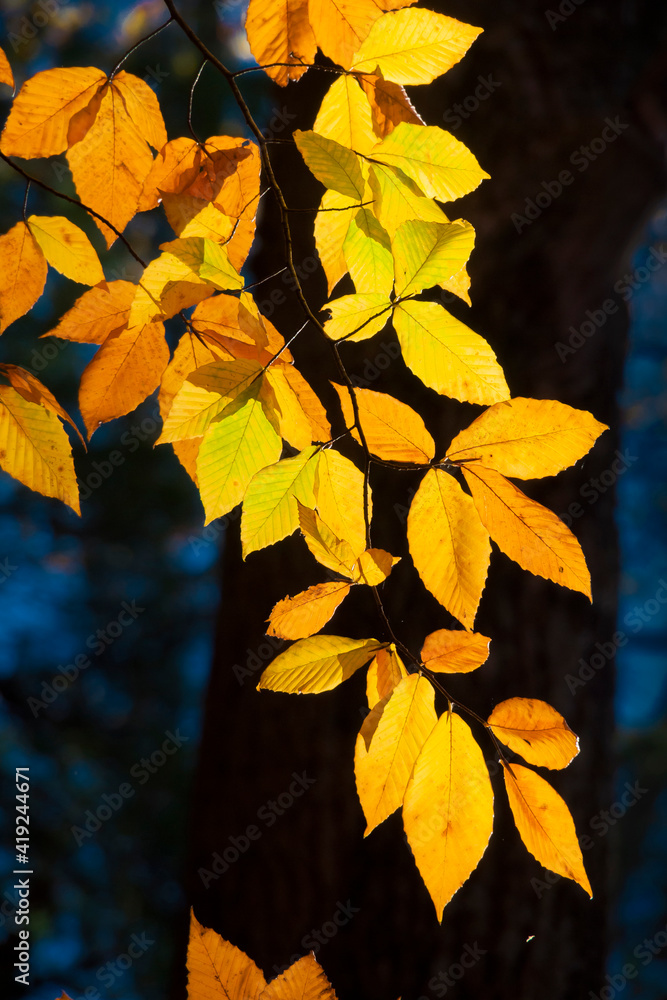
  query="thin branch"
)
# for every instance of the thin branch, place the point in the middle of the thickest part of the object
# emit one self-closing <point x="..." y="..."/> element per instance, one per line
<point x="192" y="95"/>
<point x="25" y="200"/>
<point x="141" y="41"/>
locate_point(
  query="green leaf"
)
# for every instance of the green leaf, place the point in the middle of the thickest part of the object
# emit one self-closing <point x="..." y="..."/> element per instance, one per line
<point x="367" y="251"/>
<point x="334" y="165"/>
<point x="270" y="510"/>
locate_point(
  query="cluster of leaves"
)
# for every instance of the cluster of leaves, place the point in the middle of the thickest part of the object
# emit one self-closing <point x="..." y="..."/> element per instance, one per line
<point x="247" y="426"/>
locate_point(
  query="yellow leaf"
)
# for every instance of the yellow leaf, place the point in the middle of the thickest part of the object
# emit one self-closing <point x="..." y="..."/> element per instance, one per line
<point x="440" y="165"/>
<point x="389" y="743"/>
<point x="66" y="248"/>
<point x="207" y="259"/>
<point x="186" y="452"/>
<point x="535" y="730"/>
<point x="283" y="408"/>
<point x="384" y="673"/>
<point x="191" y="353"/>
<point x="97" y="313"/>
<point x="374" y="566"/>
<point x="233" y="450"/>
<point x="397" y="199"/>
<point x="389" y="104"/>
<point x="527" y="438"/>
<point x="211" y="223"/>
<point x="33" y="391"/>
<point x="329" y="550"/>
<point x="319" y="663"/>
<point x="279" y="31"/>
<point x="143" y="108"/>
<point x="448" y="808"/>
<point x="449" y="545"/>
<point x="301" y="616"/>
<point x="340" y="26"/>
<point x="446" y="355"/>
<point x="309" y="402"/>
<point x="204" y="395"/>
<point x="304" y="980"/>
<point x="335" y="166"/>
<point x="345" y="116"/>
<point x="270" y="510"/>
<point x="35" y="449"/>
<point x="545" y="824"/>
<point x="22" y="273"/>
<point x="525" y="531"/>
<point x="242" y="333"/>
<point x="393" y="430"/>
<point x="331" y="226"/>
<point x="217" y="970"/>
<point x="428" y="253"/>
<point x="110" y="164"/>
<point x="6" y="75"/>
<point x="339" y="498"/>
<point x="126" y="369"/>
<point x="367" y="252"/>
<point x="454" y="652"/>
<point x="357" y="317"/>
<point x="414" y="46"/>
<point x="39" y="121"/>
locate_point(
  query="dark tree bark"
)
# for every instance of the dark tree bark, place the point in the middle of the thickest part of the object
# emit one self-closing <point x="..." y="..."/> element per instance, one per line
<point x="550" y="88"/>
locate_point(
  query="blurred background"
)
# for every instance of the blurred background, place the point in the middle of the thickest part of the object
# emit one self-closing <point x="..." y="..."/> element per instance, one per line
<point x="530" y="99"/>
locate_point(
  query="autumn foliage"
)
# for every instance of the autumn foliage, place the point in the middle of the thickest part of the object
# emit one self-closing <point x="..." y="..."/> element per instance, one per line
<point x="249" y="429"/>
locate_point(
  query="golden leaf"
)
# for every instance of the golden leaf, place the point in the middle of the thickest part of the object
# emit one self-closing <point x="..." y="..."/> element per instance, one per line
<point x="301" y="616"/>
<point x="97" y="313"/>
<point x="535" y="730"/>
<point x="217" y="970"/>
<point x="22" y="273"/>
<point x="67" y="248"/>
<point x="393" y="430"/>
<point x="384" y="673"/>
<point x="270" y="511"/>
<point x="339" y="496"/>
<point x="304" y="980"/>
<point x="319" y="663"/>
<point x="279" y="31"/>
<point x="454" y="652"/>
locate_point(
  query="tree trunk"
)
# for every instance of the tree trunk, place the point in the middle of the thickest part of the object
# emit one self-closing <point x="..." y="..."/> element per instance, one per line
<point x="275" y="784"/>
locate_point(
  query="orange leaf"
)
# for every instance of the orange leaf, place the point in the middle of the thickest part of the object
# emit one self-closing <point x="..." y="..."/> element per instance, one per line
<point x="389" y="743"/>
<point x="392" y="429"/>
<point x="304" y="980"/>
<point x="216" y="969"/>
<point x="6" y="75"/>
<point x="39" y="122"/>
<point x="97" y="313"/>
<point x="527" y="438"/>
<point x="308" y="612"/>
<point x="33" y="391"/>
<point x="449" y="545"/>
<point x="22" y="273"/>
<point x="535" y="730"/>
<point x="545" y="824"/>
<point x="384" y="673"/>
<point x="279" y="31"/>
<point x="331" y="551"/>
<point x="109" y="165"/>
<point x="309" y="401"/>
<point x="374" y="567"/>
<point x="340" y="26"/>
<point x="187" y="453"/>
<point x="525" y="531"/>
<point x="126" y="369"/>
<point x="454" y="652"/>
<point x="143" y="108"/>
<point x="190" y="355"/>
<point x="390" y="105"/>
<point x="448" y="808"/>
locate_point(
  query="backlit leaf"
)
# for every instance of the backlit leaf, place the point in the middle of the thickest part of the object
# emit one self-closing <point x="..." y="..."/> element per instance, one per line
<point x="35" y="449"/>
<point x="357" y="317"/>
<point x="283" y="408"/>
<point x="449" y="545"/>
<point x="304" y="980"/>
<point x="67" y="248"/>
<point x="525" y="531"/>
<point x="374" y="566"/>
<point x="389" y="742"/>
<point x="440" y="165"/>
<point x="393" y="430"/>
<point x="341" y="25"/>
<point x="33" y="391"/>
<point x="319" y="663"/>
<point x="545" y="824"/>
<point x="428" y="253"/>
<point x="331" y="226"/>
<point x="335" y="166"/>
<point x="126" y="369"/>
<point x="217" y="970"/>
<point x="339" y="497"/>
<point x="329" y="550"/>
<point x="448" y="808"/>
<point x="22" y="273"/>
<point x="527" y="438"/>
<point x="385" y="671"/>
<point x="446" y="355"/>
<point x="301" y="616"/>
<point x="309" y="402"/>
<point x="205" y="395"/>
<point x="535" y="730"/>
<point x="398" y="199"/>
<point x="143" y="108"/>
<point x="97" y="313"/>
<point x="6" y="75"/>
<point x="345" y="116"/>
<point x="367" y="252"/>
<point x="270" y="510"/>
<point x="233" y="450"/>
<point x="40" y="118"/>
<point x="454" y="652"/>
<point x="191" y="353"/>
<point x="389" y="104"/>
<point x="414" y="46"/>
<point x="279" y="31"/>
